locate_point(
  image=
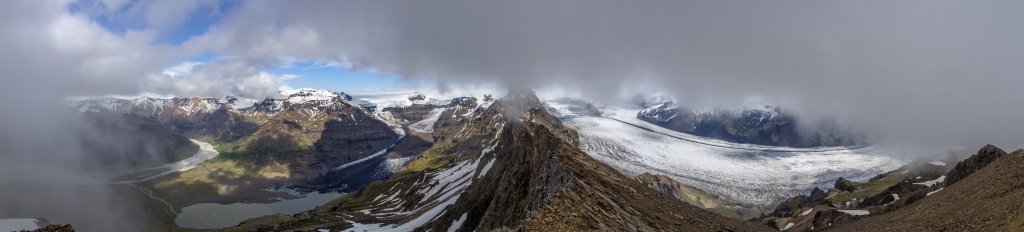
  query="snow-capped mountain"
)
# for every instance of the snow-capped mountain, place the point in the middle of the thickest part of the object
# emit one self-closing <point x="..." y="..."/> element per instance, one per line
<point x="318" y="139"/>
<point x="508" y="166"/>
<point x="764" y="125"/>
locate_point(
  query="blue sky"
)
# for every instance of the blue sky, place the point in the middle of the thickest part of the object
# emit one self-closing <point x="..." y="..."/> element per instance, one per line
<point x="301" y="74"/>
<point x="318" y="75"/>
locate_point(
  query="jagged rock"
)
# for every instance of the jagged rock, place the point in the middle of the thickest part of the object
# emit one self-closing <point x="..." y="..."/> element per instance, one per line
<point x="845" y="185"/>
<point x="817" y="197"/>
<point x="976" y="162"/>
<point x="828" y="217"/>
<point x="791" y="205"/>
<point x="55" y="228"/>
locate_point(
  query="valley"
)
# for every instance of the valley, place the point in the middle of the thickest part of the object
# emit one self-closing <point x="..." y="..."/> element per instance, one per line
<point x="300" y="165"/>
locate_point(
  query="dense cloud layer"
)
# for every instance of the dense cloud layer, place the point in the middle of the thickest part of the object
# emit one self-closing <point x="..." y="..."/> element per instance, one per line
<point x="918" y="71"/>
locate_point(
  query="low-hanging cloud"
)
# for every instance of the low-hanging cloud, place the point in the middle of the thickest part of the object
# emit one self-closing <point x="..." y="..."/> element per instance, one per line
<point x="927" y="71"/>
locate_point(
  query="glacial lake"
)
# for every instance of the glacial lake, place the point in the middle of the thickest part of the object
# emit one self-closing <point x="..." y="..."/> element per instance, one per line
<point x="213" y="215"/>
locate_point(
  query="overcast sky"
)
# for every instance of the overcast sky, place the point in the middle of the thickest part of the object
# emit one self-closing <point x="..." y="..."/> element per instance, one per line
<point x="918" y="70"/>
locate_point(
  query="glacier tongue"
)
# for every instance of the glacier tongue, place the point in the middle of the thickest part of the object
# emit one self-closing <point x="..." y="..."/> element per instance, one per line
<point x="751" y="175"/>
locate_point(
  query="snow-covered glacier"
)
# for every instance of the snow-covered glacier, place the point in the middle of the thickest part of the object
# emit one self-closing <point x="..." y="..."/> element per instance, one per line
<point x="749" y="175"/>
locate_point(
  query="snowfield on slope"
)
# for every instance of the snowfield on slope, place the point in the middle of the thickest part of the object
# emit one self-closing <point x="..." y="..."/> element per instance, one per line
<point x="750" y="175"/>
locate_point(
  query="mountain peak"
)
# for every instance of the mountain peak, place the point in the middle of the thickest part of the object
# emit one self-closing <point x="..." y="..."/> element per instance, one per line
<point x="991" y="149"/>
<point x="518" y="102"/>
<point x="308" y="95"/>
<point x="985" y="156"/>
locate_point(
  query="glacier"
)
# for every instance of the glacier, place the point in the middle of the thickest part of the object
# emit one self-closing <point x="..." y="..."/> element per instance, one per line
<point x="749" y="175"/>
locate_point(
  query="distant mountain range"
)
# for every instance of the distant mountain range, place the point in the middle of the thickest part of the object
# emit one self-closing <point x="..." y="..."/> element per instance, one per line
<point x="415" y="162"/>
<point x="766" y="125"/>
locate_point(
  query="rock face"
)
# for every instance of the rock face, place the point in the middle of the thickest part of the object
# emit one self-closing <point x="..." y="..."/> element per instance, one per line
<point x="976" y="162"/>
<point x="764" y="126"/>
<point x="695" y="197"/>
<point x="511" y="166"/>
<point x="845" y="185"/>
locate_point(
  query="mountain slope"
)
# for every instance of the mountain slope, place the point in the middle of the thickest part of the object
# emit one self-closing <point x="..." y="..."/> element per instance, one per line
<point x="695" y="196"/>
<point x="271" y="142"/>
<point x="121" y="141"/>
<point x="510" y="166"/>
<point x="989" y="199"/>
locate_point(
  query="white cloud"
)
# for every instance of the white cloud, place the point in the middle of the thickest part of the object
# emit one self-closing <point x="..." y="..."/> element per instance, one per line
<point x="183" y="68"/>
<point x="215" y="79"/>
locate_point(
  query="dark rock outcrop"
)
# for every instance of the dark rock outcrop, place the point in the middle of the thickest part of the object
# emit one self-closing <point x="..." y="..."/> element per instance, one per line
<point x="976" y="162"/>
<point x="55" y="228"/>
<point x="845" y="185"/>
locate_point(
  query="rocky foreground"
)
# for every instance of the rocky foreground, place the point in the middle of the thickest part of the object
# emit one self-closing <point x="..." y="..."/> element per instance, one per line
<point x="984" y="192"/>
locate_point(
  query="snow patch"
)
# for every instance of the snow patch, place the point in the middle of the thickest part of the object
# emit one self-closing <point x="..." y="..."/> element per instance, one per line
<point x="806" y="212"/>
<point x="458" y="223"/>
<point x="933" y="182"/>
<point x="364" y="159"/>
<point x="427" y="124"/>
<point x="855" y="212"/>
<point x="933" y="192"/>
<point x="486" y="168"/>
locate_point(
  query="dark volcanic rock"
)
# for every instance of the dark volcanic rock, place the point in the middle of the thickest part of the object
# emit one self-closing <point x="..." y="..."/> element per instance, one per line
<point x="976" y="162"/>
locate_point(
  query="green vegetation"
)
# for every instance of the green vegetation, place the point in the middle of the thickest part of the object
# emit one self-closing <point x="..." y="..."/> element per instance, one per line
<point x="868" y="189"/>
<point x="431" y="159"/>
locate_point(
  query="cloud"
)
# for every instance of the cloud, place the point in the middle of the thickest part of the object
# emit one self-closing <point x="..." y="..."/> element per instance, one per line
<point x="215" y="79"/>
<point x="913" y="70"/>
